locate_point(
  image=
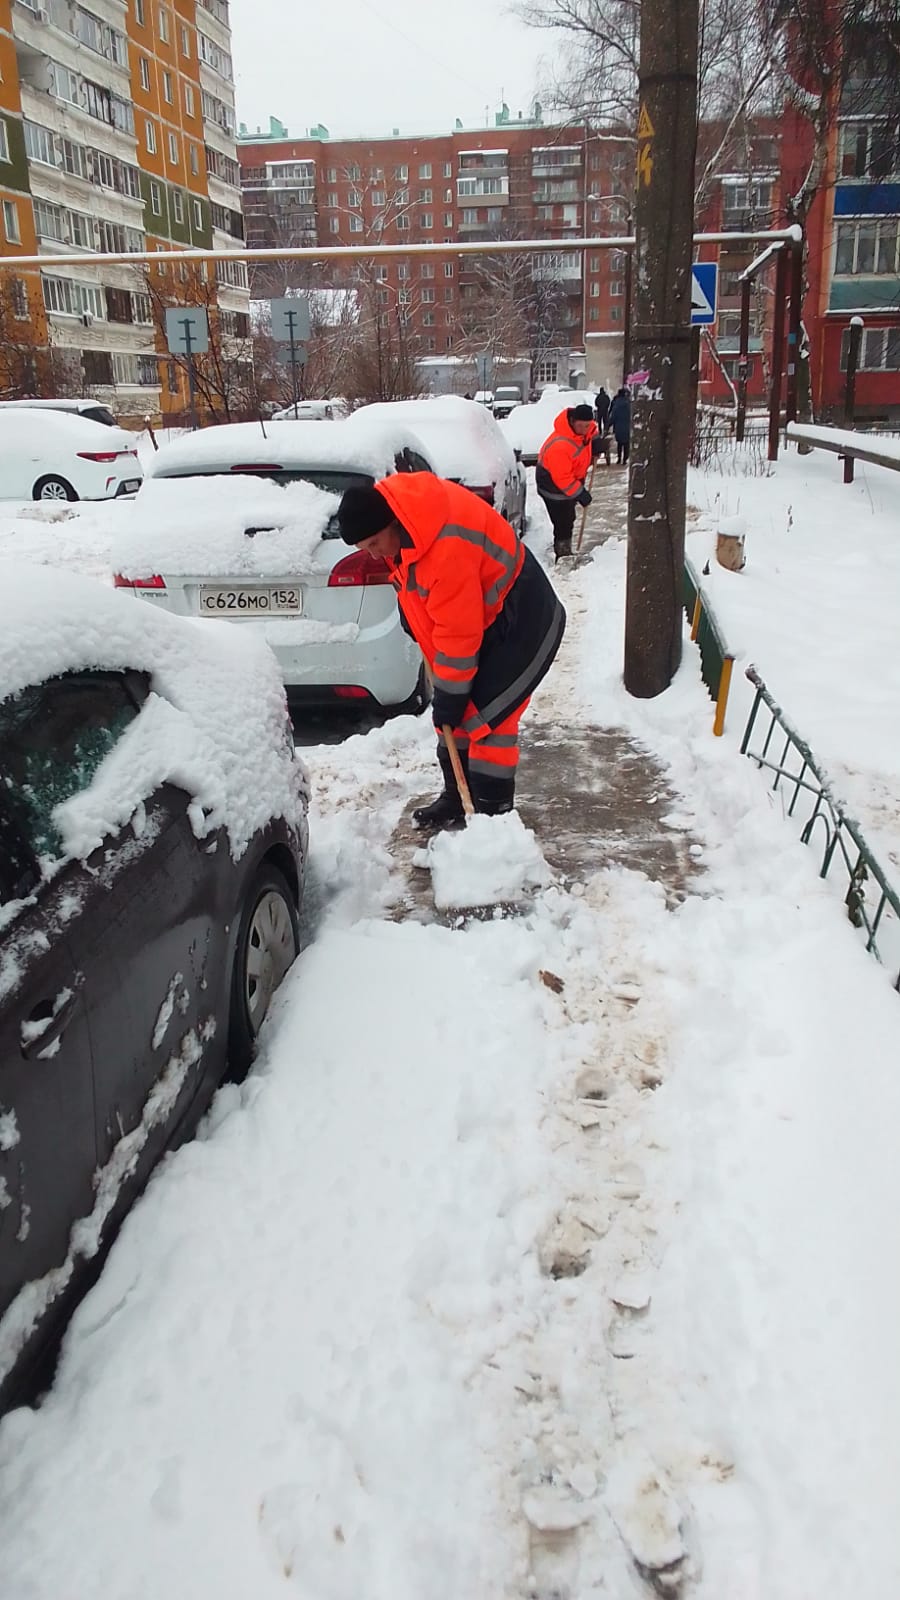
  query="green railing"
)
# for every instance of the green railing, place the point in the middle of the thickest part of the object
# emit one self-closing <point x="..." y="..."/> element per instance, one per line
<point x="716" y="660"/>
<point x="873" y="905"/>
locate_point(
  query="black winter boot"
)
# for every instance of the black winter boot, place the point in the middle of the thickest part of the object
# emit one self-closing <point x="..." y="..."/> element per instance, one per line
<point x="447" y="810"/>
<point x="492" y="797"/>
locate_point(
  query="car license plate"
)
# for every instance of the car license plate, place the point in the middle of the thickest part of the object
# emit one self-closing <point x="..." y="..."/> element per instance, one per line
<point x="130" y="486"/>
<point x="221" y="600"/>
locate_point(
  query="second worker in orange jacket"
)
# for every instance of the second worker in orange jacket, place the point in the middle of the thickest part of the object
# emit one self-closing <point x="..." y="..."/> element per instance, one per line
<point x="482" y="611"/>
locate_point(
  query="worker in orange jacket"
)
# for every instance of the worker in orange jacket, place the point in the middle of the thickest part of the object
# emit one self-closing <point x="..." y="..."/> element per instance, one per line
<point x="482" y="611"/>
<point x="562" y="467"/>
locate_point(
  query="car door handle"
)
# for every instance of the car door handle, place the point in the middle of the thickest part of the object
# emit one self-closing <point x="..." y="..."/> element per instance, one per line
<point x="47" y="1022"/>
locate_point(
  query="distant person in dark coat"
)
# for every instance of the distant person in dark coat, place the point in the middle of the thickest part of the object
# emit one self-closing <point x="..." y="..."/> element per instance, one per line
<point x="620" y="422"/>
<point x="601" y="406"/>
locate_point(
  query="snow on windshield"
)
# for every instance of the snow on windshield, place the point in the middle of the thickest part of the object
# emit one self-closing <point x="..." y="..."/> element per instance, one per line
<point x="214" y="725"/>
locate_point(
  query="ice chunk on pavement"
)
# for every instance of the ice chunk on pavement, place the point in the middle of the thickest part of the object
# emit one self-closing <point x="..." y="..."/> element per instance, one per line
<point x="490" y="861"/>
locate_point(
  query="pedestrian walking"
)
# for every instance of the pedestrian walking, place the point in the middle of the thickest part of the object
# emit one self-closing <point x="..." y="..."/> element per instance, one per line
<point x="602" y="404"/>
<point x="620" y="422"/>
<point x="563" y="462"/>
<point x="482" y="611"/>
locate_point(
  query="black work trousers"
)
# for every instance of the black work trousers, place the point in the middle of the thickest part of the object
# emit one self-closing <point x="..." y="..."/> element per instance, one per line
<point x="562" y="515"/>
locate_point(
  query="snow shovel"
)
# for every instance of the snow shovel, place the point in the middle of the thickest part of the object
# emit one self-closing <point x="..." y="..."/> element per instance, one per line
<point x="584" y="509"/>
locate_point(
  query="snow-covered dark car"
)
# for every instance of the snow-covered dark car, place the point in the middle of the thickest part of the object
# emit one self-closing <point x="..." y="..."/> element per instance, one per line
<point x="152" y="842"/>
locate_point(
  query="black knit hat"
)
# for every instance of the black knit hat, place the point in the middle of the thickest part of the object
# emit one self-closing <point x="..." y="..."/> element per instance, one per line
<point x="362" y="513"/>
<point x="581" y="414"/>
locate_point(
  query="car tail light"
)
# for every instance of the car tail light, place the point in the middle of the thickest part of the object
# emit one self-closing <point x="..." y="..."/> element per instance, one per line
<point x="483" y="491"/>
<point x="156" y="582"/>
<point x="104" y="455"/>
<point x="351" y="691"/>
<point x="359" y="570"/>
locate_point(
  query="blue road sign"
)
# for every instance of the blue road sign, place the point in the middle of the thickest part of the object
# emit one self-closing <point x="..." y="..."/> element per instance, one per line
<point x="704" y="292"/>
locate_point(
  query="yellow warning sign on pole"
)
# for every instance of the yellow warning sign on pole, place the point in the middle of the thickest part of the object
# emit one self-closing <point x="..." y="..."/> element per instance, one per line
<point x="646" y="129"/>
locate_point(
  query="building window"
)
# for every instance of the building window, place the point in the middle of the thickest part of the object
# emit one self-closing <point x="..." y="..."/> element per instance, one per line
<point x="425" y="170"/>
<point x="547" y="370"/>
<point x="595" y="291"/>
<point x="469" y="216"/>
<point x="401" y="174"/>
<point x="403" y="272"/>
<point x="177" y="206"/>
<point x="353" y="174"/>
<point x="185" y="43"/>
<point x="879" y="350"/>
<point x="427" y="269"/>
<point x="594" y="314"/>
<point x="448" y="269"/>
<point x="426" y="220"/>
<point x="615" y="314"/>
<point x="428" y="319"/>
<point x="189" y="105"/>
<point x="150" y="136"/>
<point x="428" y="297"/>
<point x="867" y="247"/>
<point x="195" y="161"/>
<point x="615" y="287"/>
<point x="139" y="15"/>
<point x="381" y="274"/>
<point x="494" y="215"/>
<point x="334" y="224"/>
<point x="11" y="222"/>
<point x="167" y="88"/>
<point x="331" y="175"/>
<point x="19" y="298"/>
<point x="173" y="150"/>
<point x="448" y="294"/>
<point x="403" y="224"/>
<point x="97" y="366"/>
<point x="868" y="150"/>
<point x="448" y="169"/>
<point x="377" y="197"/>
<point x="425" y="196"/>
<point x="164" y="24"/>
<point x="156" y="199"/>
<point x="145" y="74"/>
<point x="448" y="219"/>
<point x="356" y="224"/>
<point x="198" y="215"/>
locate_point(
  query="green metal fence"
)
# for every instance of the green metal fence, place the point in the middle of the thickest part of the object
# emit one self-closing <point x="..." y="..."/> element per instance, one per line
<point x="716" y="660"/>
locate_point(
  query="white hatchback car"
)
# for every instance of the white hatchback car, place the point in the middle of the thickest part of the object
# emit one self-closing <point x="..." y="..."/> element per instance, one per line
<point x="466" y="445"/>
<point x="53" y="455"/>
<point x="240" y="523"/>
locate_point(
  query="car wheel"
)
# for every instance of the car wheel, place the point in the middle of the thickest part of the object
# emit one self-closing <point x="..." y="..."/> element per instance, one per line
<point x="268" y="943"/>
<point x="53" y="488"/>
<point x="418" y="700"/>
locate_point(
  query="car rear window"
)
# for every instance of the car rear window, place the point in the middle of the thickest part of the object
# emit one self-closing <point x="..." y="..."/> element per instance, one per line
<point x="332" y="480"/>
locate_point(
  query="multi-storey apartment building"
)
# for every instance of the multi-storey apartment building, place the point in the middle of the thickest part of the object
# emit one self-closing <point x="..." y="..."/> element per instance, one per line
<point x="114" y="137"/>
<point x="518" y="179"/>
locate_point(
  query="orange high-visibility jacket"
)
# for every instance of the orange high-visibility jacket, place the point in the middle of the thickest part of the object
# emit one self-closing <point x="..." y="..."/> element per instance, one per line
<point x="478" y="604"/>
<point x="565" y="459"/>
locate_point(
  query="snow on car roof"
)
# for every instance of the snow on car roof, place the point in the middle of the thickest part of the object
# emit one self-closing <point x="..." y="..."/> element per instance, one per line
<point x="21" y="426"/>
<point x="214" y="724"/>
<point x="461" y="438"/>
<point x="354" y="444"/>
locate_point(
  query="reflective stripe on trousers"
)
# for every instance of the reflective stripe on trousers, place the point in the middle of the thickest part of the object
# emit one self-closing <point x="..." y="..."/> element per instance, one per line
<point x="494" y="751"/>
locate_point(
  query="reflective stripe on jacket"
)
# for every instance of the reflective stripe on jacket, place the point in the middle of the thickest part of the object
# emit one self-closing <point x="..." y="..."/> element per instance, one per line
<point x="478" y="604"/>
<point x="564" y="460"/>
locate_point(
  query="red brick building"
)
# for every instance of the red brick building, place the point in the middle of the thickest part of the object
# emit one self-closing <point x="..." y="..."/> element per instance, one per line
<point x="518" y="179"/>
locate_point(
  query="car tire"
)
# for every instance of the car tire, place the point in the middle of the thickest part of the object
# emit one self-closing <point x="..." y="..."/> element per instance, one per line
<point x="418" y="700"/>
<point x="53" y="487"/>
<point x="268" y="943"/>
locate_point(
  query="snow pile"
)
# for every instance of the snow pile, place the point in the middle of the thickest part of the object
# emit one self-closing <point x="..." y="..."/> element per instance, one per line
<point x="199" y="526"/>
<point x="357" y="444"/>
<point x="214" y="725"/>
<point x="491" y="861"/>
<point x="529" y="425"/>
<point x="460" y="437"/>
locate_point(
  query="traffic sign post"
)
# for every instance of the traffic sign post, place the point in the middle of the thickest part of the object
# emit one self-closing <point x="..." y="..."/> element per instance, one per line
<point x="187" y="334"/>
<point x="290" y="326"/>
<point x="484" y="362"/>
<point x="704" y="293"/>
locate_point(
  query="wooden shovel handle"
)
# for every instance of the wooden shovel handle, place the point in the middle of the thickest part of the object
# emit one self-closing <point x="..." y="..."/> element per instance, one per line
<point x="465" y="794"/>
<point x="584" y="509"/>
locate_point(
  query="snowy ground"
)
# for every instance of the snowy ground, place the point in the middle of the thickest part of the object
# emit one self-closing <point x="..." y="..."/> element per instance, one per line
<point x="549" y="1256"/>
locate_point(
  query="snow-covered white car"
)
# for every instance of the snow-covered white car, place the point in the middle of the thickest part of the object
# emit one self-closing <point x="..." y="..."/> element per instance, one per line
<point x="152" y="844"/>
<point x="91" y="410"/>
<point x="55" y="455"/>
<point x="527" y="426"/>
<point x="465" y="444"/>
<point x="240" y="523"/>
<point x="312" y="411"/>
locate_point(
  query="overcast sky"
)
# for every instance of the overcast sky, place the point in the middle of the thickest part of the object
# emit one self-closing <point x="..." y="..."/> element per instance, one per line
<point x="368" y="66"/>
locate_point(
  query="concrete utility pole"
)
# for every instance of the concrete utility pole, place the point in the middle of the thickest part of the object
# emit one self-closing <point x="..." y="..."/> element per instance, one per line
<point x="661" y="343"/>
